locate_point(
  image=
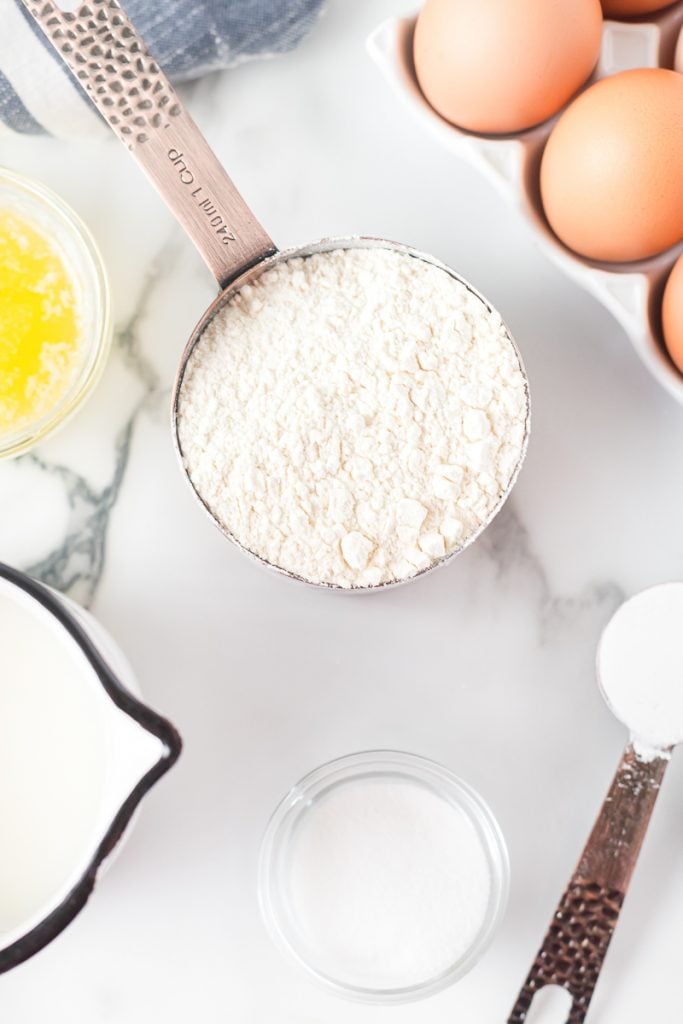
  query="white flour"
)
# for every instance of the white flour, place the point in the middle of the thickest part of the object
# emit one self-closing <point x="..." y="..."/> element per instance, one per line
<point x="353" y="417"/>
<point x="640" y="665"/>
<point x="389" y="883"/>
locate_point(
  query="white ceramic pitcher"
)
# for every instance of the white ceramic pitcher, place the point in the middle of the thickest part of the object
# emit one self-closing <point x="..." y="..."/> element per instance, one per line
<point x="133" y="745"/>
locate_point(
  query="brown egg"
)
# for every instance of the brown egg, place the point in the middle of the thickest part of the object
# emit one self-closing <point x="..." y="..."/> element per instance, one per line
<point x="672" y="314"/>
<point x="504" y="65"/>
<point x="632" y="8"/>
<point x="612" y="171"/>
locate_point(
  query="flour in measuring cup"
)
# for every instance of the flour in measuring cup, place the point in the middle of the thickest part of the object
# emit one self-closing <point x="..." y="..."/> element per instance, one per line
<point x="353" y="417"/>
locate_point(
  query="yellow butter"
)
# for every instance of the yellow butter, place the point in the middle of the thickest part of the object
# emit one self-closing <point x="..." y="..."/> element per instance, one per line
<point x="40" y="324"/>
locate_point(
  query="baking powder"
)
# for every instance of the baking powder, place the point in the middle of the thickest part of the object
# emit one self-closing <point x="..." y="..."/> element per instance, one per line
<point x="353" y="417"/>
<point x="640" y="664"/>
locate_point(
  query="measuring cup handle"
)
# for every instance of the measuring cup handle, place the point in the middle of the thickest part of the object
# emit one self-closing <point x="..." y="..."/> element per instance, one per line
<point x="112" y="63"/>
<point x="580" y="932"/>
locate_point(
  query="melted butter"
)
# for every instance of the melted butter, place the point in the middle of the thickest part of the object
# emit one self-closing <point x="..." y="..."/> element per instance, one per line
<point x="39" y="324"/>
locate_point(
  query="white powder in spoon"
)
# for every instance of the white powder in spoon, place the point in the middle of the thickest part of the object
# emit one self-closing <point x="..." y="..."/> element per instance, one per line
<point x="389" y="883"/>
<point x="640" y="667"/>
<point x="353" y="417"/>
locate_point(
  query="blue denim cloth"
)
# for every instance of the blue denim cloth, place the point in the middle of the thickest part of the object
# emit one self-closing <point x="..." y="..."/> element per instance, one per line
<point x="188" y="38"/>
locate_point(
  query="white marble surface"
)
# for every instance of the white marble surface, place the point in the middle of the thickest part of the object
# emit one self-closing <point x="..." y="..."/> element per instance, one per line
<point x="486" y="666"/>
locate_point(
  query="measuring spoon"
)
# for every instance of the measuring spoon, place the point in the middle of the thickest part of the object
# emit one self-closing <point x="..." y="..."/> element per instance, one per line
<point x="111" y="61"/>
<point x="642" y="642"/>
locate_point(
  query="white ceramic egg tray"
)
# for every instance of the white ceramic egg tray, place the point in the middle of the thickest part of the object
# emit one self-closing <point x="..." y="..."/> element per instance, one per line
<point x="631" y="291"/>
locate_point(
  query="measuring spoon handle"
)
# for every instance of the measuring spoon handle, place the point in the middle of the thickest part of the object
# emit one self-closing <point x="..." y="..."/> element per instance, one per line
<point x="579" y="935"/>
<point x="112" y="63"/>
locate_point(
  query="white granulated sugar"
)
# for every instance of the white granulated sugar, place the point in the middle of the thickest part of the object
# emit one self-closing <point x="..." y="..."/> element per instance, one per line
<point x="640" y="665"/>
<point x="353" y="417"/>
<point x="388" y="883"/>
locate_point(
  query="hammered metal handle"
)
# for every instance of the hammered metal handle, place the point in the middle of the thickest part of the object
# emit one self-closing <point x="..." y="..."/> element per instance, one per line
<point x="580" y="932"/>
<point x="112" y="63"/>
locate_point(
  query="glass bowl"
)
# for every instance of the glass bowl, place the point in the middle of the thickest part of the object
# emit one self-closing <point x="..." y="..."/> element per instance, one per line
<point x="58" y="222"/>
<point x="277" y="859"/>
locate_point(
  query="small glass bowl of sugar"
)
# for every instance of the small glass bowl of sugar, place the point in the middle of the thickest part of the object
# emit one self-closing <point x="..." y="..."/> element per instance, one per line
<point x="384" y="876"/>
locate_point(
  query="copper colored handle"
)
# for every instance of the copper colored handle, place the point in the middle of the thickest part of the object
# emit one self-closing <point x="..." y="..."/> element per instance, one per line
<point x="114" y="66"/>
<point x="579" y="935"/>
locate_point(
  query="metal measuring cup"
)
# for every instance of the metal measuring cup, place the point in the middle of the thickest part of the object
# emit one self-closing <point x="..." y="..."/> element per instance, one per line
<point x="112" y="63"/>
